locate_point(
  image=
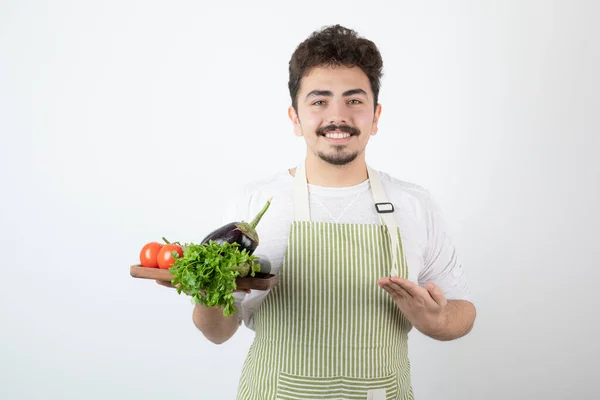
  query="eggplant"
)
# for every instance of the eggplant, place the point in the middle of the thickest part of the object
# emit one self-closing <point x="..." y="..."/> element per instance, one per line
<point x="242" y="233"/>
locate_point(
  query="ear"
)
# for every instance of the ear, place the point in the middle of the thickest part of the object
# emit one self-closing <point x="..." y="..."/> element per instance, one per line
<point x="376" y="120"/>
<point x="293" y="115"/>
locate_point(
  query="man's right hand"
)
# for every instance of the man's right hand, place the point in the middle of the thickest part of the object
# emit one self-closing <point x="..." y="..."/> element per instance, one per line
<point x="210" y="320"/>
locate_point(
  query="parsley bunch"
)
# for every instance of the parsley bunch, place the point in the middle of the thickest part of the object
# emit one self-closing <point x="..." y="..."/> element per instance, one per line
<point x="207" y="272"/>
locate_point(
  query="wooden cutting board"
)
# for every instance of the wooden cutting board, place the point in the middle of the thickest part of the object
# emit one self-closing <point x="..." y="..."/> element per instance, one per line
<point x="260" y="281"/>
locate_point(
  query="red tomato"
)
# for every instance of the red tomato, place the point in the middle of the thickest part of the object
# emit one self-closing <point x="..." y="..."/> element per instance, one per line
<point x="165" y="258"/>
<point x="149" y="254"/>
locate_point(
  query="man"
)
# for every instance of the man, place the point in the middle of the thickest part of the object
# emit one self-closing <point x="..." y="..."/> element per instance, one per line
<point x="362" y="257"/>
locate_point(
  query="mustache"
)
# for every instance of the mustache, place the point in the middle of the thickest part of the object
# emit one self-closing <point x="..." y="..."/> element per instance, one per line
<point x="342" y="128"/>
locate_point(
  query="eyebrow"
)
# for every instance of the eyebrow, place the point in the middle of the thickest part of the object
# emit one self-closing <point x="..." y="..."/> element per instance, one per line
<point x="328" y="93"/>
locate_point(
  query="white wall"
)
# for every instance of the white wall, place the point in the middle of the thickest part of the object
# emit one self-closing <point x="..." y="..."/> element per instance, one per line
<point x="122" y="121"/>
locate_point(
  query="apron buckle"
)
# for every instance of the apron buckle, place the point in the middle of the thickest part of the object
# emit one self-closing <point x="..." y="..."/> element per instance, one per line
<point x="377" y="394"/>
<point x="384" y="208"/>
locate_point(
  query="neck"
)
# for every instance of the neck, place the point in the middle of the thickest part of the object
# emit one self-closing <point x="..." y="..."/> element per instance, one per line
<point x="321" y="173"/>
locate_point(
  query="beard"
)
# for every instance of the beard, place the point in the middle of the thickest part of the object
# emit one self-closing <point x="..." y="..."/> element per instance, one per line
<point x="339" y="156"/>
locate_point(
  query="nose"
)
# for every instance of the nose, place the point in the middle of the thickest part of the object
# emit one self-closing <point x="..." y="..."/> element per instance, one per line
<point x="338" y="113"/>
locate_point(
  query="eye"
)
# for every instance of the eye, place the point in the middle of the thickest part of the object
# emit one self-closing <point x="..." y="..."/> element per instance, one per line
<point x="319" y="103"/>
<point x="355" y="101"/>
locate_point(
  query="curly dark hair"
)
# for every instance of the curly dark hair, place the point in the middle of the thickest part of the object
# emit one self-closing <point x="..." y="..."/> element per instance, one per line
<point x="333" y="46"/>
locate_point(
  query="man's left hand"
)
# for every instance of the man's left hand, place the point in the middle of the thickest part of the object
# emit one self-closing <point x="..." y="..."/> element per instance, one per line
<point x="424" y="307"/>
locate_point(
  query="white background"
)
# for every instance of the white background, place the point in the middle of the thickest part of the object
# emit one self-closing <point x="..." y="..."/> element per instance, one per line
<point x="122" y="122"/>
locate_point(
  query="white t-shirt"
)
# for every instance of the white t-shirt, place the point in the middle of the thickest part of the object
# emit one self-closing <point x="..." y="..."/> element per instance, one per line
<point x="430" y="253"/>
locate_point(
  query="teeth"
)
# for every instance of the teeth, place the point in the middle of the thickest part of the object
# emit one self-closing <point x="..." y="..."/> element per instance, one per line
<point x="337" y="135"/>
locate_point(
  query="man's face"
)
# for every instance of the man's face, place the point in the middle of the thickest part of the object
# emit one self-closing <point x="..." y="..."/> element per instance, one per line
<point x="335" y="114"/>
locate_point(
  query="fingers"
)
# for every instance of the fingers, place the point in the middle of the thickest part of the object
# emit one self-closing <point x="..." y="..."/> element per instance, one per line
<point x="437" y="294"/>
<point x="392" y="293"/>
<point x="407" y="290"/>
<point x="400" y="291"/>
<point x="387" y="288"/>
<point x="394" y="289"/>
<point x="411" y="287"/>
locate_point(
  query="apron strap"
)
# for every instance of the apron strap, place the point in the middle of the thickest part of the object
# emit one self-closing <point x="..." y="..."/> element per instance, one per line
<point x="301" y="207"/>
<point x="384" y="208"/>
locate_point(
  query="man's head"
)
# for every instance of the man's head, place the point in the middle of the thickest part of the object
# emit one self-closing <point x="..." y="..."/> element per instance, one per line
<point x="334" y="86"/>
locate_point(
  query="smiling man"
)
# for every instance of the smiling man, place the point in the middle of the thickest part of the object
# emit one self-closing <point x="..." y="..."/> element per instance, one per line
<point x="363" y="257"/>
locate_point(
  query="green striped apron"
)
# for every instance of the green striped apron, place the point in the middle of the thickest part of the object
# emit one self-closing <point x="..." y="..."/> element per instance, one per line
<point x="327" y="330"/>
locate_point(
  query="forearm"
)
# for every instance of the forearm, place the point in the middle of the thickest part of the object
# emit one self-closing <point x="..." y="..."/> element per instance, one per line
<point x="211" y="322"/>
<point x="456" y="321"/>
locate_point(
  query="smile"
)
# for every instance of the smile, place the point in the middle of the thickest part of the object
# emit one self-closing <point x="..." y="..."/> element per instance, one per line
<point x="336" y="135"/>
